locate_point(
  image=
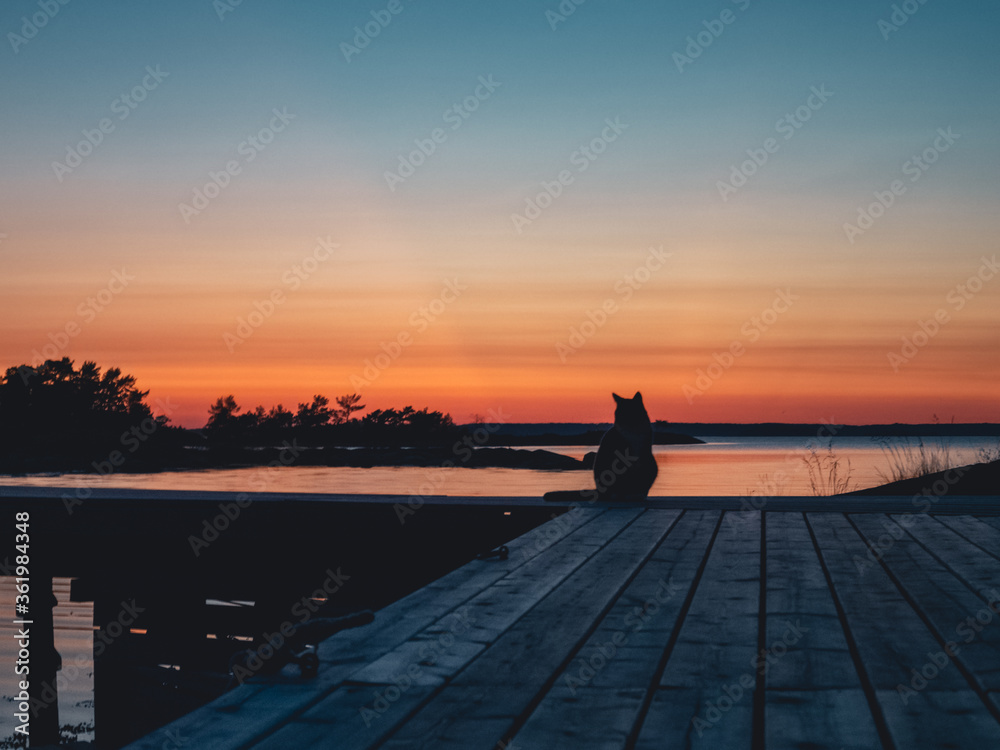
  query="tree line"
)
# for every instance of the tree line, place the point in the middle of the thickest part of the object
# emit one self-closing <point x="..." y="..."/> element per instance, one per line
<point x="320" y="422"/>
<point x="59" y="417"/>
<point x="55" y="416"/>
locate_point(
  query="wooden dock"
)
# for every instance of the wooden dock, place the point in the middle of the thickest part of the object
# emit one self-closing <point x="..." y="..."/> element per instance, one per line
<point x="673" y="625"/>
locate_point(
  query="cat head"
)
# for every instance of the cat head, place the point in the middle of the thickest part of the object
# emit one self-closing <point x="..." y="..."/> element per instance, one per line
<point x="630" y="412"/>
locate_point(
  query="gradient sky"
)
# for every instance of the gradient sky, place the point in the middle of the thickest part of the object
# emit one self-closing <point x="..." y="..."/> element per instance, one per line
<point x="495" y="344"/>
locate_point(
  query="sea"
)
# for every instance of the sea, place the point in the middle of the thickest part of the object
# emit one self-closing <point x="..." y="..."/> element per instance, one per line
<point x="731" y="466"/>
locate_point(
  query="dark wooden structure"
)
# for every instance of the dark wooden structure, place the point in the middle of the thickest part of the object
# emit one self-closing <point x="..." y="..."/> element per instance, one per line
<point x="849" y="624"/>
<point x="150" y="560"/>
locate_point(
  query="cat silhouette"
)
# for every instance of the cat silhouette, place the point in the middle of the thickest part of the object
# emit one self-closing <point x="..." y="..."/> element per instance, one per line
<point x="624" y="468"/>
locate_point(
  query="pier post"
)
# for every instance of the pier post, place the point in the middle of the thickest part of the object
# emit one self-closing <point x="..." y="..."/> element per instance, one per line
<point x="44" y="663"/>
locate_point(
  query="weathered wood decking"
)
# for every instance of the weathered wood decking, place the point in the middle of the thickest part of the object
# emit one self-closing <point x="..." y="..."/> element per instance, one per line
<point x="662" y="627"/>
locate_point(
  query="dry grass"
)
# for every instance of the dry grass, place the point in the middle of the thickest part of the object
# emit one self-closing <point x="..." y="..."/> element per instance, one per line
<point x="766" y="487"/>
<point x="908" y="460"/>
<point x="828" y="475"/>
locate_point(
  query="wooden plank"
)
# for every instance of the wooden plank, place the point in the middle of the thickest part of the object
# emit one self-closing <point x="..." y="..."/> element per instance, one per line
<point x="940" y="719"/>
<point x="478" y="708"/>
<point x="706" y="692"/>
<point x="205" y="721"/>
<point x="232" y="722"/>
<point x="719" y="637"/>
<point x="983" y="535"/>
<point x="814" y="696"/>
<point x="801" y="615"/>
<point x="236" y="725"/>
<point x="431" y="657"/>
<point x="355" y="719"/>
<point x="945" y="601"/>
<point x="871" y="601"/>
<point x="673" y="709"/>
<point x="993" y="521"/>
<point x="893" y="642"/>
<point x="547" y="613"/>
<point x="487" y="615"/>
<point x="978" y="569"/>
<point x="594" y="703"/>
<point x="597" y="718"/>
<point x="828" y="719"/>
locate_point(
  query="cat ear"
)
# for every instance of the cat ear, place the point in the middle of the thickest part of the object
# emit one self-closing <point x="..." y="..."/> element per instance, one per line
<point x="637" y="397"/>
<point x="618" y="399"/>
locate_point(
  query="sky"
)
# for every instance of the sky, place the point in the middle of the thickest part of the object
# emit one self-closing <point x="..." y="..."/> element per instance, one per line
<point x="749" y="211"/>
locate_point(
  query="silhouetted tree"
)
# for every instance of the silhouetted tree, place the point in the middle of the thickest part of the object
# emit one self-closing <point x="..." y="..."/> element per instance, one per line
<point x="57" y="391"/>
<point x="407" y="426"/>
<point x="252" y="419"/>
<point x="348" y="405"/>
<point x="278" y="418"/>
<point x="58" y="411"/>
<point x="316" y="414"/>
<point x="222" y="414"/>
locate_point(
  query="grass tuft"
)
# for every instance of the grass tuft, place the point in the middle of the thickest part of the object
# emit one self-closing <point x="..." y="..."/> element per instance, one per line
<point x="828" y="475"/>
<point x="908" y="460"/>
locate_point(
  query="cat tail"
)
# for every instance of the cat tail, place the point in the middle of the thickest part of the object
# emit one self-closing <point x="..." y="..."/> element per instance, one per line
<point x="573" y="496"/>
<point x="589" y="496"/>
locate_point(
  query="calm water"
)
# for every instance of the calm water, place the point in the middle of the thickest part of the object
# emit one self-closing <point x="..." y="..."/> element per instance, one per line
<point x="724" y="466"/>
<point x="728" y="466"/>
<point x="74" y="638"/>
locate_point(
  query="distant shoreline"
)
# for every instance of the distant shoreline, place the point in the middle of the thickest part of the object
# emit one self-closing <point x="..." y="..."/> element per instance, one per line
<point x="767" y="429"/>
<point x="193" y="459"/>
